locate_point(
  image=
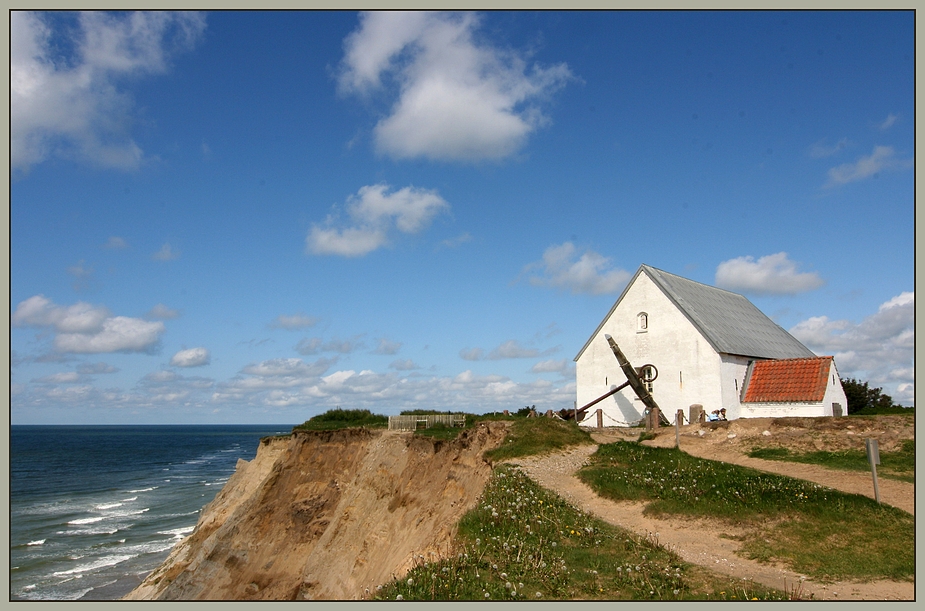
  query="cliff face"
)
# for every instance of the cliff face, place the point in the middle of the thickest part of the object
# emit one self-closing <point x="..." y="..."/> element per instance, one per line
<point x="326" y="515"/>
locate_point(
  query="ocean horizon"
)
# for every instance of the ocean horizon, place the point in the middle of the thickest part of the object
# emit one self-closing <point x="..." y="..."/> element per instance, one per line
<point x="95" y="508"/>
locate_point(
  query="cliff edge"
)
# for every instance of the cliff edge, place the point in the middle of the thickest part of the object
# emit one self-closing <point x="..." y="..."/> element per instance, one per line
<point x="327" y="515"/>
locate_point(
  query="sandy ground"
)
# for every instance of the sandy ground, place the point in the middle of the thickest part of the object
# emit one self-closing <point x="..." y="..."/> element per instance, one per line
<point x="708" y="544"/>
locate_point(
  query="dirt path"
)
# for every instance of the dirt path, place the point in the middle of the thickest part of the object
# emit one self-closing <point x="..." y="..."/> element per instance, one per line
<point x="697" y="542"/>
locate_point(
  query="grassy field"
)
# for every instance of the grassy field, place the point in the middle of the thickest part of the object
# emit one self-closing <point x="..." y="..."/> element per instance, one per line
<point x="895" y="465"/>
<point x="820" y="532"/>
<point x="531" y="436"/>
<point x="523" y="543"/>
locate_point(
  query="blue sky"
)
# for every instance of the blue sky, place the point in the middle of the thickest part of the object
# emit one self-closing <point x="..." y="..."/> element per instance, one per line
<point x="253" y="217"/>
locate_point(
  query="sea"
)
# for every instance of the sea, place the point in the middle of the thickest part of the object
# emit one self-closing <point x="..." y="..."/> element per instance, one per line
<point x="94" y="509"/>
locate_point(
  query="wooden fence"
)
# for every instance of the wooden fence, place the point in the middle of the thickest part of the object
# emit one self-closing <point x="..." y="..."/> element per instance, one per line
<point x="413" y="423"/>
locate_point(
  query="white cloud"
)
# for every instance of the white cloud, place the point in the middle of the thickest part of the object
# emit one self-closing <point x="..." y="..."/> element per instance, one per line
<point x="403" y="365"/>
<point x="374" y="212"/>
<point x="71" y="106"/>
<point x="562" y="367"/>
<point x="512" y="349"/>
<point x="192" y="357"/>
<point x="166" y="253"/>
<point x="590" y="272"/>
<point x="471" y="354"/>
<point x="289" y="368"/>
<point x="316" y="344"/>
<point x="879" y="349"/>
<point x="458" y="99"/>
<point x="96" y="368"/>
<point x="69" y="377"/>
<point x="769" y="275"/>
<point x="348" y="242"/>
<point x="294" y="322"/>
<point x="39" y="311"/>
<point x="161" y="376"/>
<point x="119" y="334"/>
<point x="457" y="241"/>
<point x="162" y="312"/>
<point x="882" y="158"/>
<point x="80" y="270"/>
<point x="82" y="328"/>
<point x="115" y="243"/>
<point x="822" y="149"/>
<point x="889" y="121"/>
<point x="387" y="347"/>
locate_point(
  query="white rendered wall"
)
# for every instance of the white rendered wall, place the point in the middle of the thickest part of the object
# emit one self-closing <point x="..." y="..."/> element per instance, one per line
<point x="783" y="410"/>
<point x="834" y="392"/>
<point x="689" y="370"/>
<point x="733" y="376"/>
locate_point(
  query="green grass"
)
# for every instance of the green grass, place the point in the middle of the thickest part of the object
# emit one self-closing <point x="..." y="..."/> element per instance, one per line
<point x="817" y="531"/>
<point x="522" y="542"/>
<point x="442" y="431"/>
<point x="342" y="419"/>
<point x="531" y="436"/>
<point x="898" y="465"/>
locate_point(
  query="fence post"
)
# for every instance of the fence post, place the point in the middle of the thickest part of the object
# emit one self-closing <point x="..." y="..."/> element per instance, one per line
<point x="600" y="418"/>
<point x="677" y="428"/>
<point x="873" y="457"/>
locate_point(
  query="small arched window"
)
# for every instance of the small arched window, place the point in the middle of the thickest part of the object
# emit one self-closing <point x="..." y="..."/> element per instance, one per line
<point x="642" y="322"/>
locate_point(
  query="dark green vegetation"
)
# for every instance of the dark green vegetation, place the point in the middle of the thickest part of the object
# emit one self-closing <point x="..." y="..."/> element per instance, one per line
<point x="523" y="542"/>
<point x="531" y="436"/>
<point x="898" y="465"/>
<point x="342" y="419"/>
<point x="864" y="400"/>
<point x="820" y="532"/>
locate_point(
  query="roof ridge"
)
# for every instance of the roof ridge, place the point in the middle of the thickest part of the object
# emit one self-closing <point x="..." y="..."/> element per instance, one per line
<point x="798" y="358"/>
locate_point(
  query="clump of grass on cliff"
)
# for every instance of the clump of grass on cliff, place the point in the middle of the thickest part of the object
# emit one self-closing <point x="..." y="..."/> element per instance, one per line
<point x="532" y="436"/>
<point x="899" y="465"/>
<point x="818" y="531"/>
<point x="342" y="419"/>
<point x="523" y="543"/>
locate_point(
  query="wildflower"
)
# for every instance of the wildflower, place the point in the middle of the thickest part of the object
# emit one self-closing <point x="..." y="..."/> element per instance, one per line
<point x="539" y="595"/>
<point x="399" y="597"/>
<point x="487" y="595"/>
<point x="410" y="582"/>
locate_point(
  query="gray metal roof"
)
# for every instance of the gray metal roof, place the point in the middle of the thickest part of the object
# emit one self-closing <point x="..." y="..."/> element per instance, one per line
<point x="730" y="322"/>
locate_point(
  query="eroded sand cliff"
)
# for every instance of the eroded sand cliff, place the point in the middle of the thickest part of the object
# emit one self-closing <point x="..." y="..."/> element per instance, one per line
<point x="327" y="515"/>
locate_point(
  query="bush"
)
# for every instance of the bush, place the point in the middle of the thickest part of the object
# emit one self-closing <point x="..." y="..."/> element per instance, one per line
<point x="863" y="400"/>
<point x="342" y="419"/>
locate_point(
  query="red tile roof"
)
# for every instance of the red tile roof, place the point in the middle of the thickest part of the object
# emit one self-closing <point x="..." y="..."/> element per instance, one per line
<point x="788" y="380"/>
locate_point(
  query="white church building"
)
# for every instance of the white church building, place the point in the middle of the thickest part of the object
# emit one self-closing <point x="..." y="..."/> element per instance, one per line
<point x="710" y="347"/>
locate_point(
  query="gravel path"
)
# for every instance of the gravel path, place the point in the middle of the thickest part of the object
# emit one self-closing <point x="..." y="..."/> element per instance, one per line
<point x="696" y="541"/>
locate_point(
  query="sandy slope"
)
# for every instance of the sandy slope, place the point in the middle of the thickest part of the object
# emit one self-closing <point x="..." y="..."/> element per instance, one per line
<point x="327" y="515"/>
